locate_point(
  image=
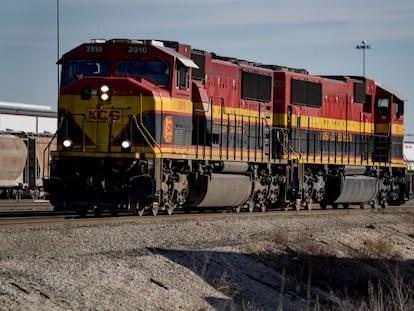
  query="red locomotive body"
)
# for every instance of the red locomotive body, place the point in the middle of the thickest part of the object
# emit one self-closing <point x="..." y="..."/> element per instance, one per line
<point x="148" y="124"/>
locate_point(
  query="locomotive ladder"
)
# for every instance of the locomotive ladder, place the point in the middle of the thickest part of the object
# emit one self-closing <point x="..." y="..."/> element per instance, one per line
<point x="294" y="160"/>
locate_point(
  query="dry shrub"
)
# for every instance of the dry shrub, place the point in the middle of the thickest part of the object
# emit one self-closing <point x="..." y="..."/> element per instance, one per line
<point x="259" y="248"/>
<point x="269" y="244"/>
<point x="279" y="237"/>
<point x="226" y="287"/>
<point x="380" y="248"/>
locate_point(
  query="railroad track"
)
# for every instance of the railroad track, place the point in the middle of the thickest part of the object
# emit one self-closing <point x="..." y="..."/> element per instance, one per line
<point x="47" y="218"/>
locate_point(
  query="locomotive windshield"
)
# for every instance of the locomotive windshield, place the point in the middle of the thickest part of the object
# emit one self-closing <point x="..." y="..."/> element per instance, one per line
<point x="87" y="68"/>
<point x="154" y="70"/>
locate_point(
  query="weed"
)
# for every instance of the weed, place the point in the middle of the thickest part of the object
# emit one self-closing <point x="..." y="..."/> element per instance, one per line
<point x="223" y="285"/>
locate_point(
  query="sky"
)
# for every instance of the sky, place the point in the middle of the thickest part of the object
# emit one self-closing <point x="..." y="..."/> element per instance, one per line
<point x="318" y="35"/>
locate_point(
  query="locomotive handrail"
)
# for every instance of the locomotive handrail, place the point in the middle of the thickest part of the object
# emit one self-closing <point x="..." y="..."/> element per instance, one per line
<point x="288" y="147"/>
<point x="144" y="131"/>
<point x="144" y="135"/>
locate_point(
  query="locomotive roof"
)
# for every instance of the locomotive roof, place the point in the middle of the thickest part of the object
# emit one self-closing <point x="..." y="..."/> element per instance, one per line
<point x="251" y="63"/>
<point x="396" y="94"/>
<point x="168" y="47"/>
<point x="186" y="61"/>
<point x="361" y="78"/>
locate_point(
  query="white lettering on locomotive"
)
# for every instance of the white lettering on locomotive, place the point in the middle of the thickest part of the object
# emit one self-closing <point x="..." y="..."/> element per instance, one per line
<point x="134" y="49"/>
<point x="93" y="48"/>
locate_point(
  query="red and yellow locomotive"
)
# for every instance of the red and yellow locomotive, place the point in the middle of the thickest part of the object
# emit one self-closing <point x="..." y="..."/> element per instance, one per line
<point x="149" y="125"/>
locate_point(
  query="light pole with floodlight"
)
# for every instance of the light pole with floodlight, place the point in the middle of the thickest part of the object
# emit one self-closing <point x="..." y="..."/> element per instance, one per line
<point x="363" y="46"/>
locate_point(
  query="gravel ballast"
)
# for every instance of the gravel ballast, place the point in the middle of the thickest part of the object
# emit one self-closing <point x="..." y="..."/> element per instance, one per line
<point x="250" y="263"/>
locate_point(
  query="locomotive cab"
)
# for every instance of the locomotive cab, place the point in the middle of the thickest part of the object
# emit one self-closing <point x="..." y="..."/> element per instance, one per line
<point x="113" y="107"/>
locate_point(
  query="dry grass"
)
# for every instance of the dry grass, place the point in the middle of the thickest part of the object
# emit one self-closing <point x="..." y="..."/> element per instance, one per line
<point x="226" y="287"/>
<point x="392" y="294"/>
<point x="369" y="278"/>
<point x="233" y="290"/>
<point x="379" y="248"/>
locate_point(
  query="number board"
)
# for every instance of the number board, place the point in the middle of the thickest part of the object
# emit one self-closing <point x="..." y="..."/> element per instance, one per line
<point x="137" y="49"/>
<point x="93" y="48"/>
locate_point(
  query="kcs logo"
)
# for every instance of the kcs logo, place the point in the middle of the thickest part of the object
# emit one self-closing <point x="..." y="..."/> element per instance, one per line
<point x="103" y="114"/>
<point x="168" y="129"/>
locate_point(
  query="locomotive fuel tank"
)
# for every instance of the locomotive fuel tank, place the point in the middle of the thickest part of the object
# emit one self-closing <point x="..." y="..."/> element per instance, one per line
<point x="357" y="189"/>
<point x="13" y="154"/>
<point x="352" y="186"/>
<point x="220" y="190"/>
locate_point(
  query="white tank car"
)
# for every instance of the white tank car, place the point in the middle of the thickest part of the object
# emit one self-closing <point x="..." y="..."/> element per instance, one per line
<point x="25" y="131"/>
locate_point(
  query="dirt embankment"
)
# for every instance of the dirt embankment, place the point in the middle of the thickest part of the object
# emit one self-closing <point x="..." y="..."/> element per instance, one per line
<point x="280" y="262"/>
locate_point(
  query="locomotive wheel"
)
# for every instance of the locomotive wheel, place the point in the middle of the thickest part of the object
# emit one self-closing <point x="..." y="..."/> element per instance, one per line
<point x="298" y="205"/>
<point x="154" y="208"/>
<point x="237" y="209"/>
<point x="250" y="207"/>
<point x="139" y="210"/>
<point x="169" y="208"/>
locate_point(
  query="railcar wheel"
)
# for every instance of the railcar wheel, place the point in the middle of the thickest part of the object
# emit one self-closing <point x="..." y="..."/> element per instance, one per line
<point x="345" y="205"/>
<point x="322" y="205"/>
<point x="335" y="205"/>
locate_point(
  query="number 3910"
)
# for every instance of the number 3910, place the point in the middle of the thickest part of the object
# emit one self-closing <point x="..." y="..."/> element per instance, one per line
<point x="138" y="49"/>
<point x="94" y="49"/>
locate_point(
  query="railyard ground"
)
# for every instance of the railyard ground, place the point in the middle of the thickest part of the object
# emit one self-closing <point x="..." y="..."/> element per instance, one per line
<point x="285" y="261"/>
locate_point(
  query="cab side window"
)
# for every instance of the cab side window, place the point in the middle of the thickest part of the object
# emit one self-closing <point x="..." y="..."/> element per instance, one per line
<point x="183" y="76"/>
<point x="398" y="107"/>
<point x="383" y="106"/>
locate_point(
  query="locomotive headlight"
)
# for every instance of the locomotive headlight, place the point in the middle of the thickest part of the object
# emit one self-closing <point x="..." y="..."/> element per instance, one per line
<point x="104" y="88"/>
<point x="104" y="97"/>
<point x="126" y="146"/>
<point x="67" y="144"/>
<point x="104" y="92"/>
